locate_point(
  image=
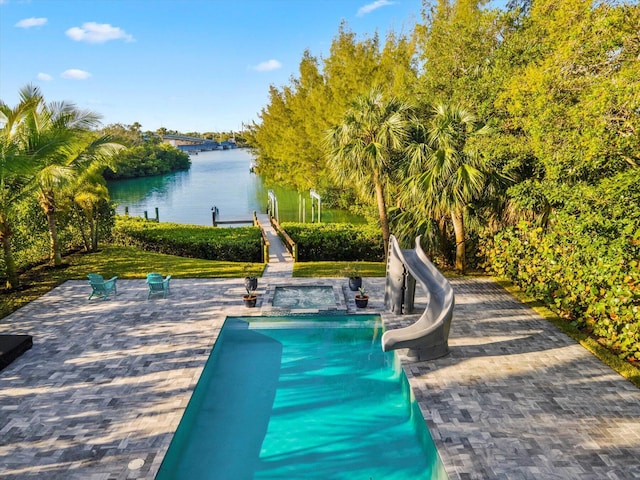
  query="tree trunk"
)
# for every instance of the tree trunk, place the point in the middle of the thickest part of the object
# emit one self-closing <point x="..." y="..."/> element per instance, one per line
<point x="382" y="211"/>
<point x="457" y="217"/>
<point x="9" y="262"/>
<point x="85" y="229"/>
<point x="54" y="251"/>
<point x="444" y="240"/>
<point x="47" y="201"/>
<point x="93" y="228"/>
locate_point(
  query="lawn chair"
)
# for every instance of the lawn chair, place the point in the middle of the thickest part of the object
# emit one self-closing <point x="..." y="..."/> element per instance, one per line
<point x="158" y="285"/>
<point x="101" y="287"/>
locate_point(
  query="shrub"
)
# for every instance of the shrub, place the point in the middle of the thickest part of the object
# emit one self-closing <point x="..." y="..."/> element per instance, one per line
<point x="585" y="266"/>
<point x="336" y="242"/>
<point x="194" y="241"/>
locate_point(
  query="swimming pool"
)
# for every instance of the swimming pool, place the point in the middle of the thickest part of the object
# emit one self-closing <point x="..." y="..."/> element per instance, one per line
<point x="302" y="397"/>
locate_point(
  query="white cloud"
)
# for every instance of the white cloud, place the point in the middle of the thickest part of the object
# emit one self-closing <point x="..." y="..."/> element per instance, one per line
<point x="45" y="77"/>
<point x="75" y="74"/>
<point x="31" y="22"/>
<point x="370" y="7"/>
<point x="93" y="32"/>
<point x="268" y="66"/>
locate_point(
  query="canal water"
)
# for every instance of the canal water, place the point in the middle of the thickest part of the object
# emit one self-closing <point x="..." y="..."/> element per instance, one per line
<point x="219" y="179"/>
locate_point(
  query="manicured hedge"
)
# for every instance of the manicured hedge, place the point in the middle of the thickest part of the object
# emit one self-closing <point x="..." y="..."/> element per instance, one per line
<point x="585" y="265"/>
<point x="194" y="241"/>
<point x="336" y="242"/>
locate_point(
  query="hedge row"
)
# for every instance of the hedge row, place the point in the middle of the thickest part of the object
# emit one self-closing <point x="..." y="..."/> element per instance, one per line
<point x="319" y="242"/>
<point x="210" y="243"/>
<point x="585" y="265"/>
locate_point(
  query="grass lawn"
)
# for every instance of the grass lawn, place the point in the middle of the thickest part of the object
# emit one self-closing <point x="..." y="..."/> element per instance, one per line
<point x="125" y="262"/>
<point x="336" y="269"/>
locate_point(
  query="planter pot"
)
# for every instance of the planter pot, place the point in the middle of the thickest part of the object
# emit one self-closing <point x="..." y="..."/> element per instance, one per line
<point x="355" y="283"/>
<point x="362" y="301"/>
<point x="249" y="300"/>
<point x="251" y="283"/>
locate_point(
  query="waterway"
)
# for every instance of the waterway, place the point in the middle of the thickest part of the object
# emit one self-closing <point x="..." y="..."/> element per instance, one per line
<point x="221" y="179"/>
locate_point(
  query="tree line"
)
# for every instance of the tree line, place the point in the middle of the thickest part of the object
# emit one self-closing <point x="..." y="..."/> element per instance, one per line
<point x="498" y="109"/>
<point x="506" y="138"/>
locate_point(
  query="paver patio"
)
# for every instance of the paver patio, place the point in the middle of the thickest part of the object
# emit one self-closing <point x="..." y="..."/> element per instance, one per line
<point x="104" y="387"/>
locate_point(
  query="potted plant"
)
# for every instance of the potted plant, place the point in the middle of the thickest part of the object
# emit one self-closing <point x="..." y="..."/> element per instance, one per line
<point x="352" y="272"/>
<point x="250" y="298"/>
<point x="361" y="298"/>
<point x="250" y="281"/>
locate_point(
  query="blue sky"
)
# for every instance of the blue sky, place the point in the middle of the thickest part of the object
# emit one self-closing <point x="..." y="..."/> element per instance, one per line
<point x="186" y="65"/>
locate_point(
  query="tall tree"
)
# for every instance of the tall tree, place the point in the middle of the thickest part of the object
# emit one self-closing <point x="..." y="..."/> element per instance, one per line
<point x="267" y="137"/>
<point x="16" y="152"/>
<point x="288" y="140"/>
<point x="457" y="43"/>
<point x="350" y="70"/>
<point x="398" y="72"/>
<point x="446" y="174"/>
<point x="578" y="96"/>
<point x="74" y="148"/>
<point x="361" y="148"/>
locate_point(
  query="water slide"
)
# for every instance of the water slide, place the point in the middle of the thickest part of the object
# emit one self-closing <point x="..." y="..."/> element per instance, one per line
<point x="428" y="337"/>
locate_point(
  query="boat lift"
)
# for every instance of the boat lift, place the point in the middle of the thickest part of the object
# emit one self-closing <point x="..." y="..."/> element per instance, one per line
<point x="273" y="205"/>
<point x="315" y="196"/>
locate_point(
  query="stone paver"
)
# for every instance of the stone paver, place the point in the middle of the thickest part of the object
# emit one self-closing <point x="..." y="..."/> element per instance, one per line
<point x="517" y="399"/>
<point x="104" y="387"/>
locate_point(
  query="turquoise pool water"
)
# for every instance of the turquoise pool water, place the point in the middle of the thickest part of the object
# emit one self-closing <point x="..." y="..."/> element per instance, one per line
<point x="302" y="398"/>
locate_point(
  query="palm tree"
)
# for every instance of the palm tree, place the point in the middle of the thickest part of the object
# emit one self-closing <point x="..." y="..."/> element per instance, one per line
<point x="361" y="148"/>
<point x="445" y="173"/>
<point x="17" y="148"/>
<point x="89" y="198"/>
<point x="72" y="146"/>
<point x="42" y="147"/>
<point x="84" y="151"/>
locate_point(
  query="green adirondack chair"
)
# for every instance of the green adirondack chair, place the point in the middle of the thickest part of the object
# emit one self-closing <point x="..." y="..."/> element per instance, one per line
<point x="158" y="285"/>
<point x="101" y="287"/>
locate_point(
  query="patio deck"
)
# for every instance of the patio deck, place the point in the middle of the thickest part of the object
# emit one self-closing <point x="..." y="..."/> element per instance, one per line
<point x="104" y="387"/>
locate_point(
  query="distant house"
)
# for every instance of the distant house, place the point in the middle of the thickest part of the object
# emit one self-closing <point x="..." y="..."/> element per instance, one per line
<point x="190" y="144"/>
